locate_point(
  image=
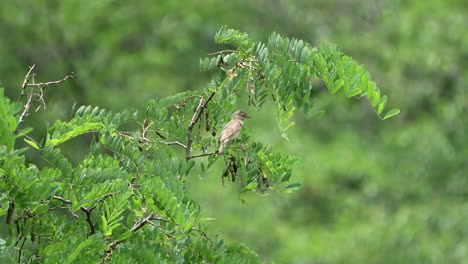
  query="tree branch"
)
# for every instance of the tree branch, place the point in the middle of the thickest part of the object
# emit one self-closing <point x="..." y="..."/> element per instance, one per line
<point x="202" y="155"/>
<point x="87" y="210"/>
<point x="174" y="143"/>
<point x="136" y="227"/>
<point x="51" y="82"/>
<point x="26" y="80"/>
<point x="31" y="95"/>
<point x="92" y="225"/>
<point x="141" y="223"/>
<point x="196" y="116"/>
<point x="62" y="199"/>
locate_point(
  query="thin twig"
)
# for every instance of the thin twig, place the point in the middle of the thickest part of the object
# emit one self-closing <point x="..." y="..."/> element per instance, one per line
<point x="174" y="143"/>
<point x="196" y="116"/>
<point x="62" y="199"/>
<point x="141" y="223"/>
<point x="26" y="80"/>
<point x="222" y="51"/>
<point x="160" y="219"/>
<point x="21" y="250"/>
<point x="202" y="233"/>
<point x="33" y="97"/>
<point x="28" y="104"/>
<point x="51" y="82"/>
<point x="202" y="155"/>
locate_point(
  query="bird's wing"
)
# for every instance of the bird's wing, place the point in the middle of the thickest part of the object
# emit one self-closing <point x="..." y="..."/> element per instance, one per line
<point x="230" y="130"/>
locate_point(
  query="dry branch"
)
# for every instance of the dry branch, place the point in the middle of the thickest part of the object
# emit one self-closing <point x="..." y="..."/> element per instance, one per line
<point x="33" y="96"/>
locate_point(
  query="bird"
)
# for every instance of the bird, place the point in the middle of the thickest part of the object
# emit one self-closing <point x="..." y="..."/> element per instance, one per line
<point x="232" y="128"/>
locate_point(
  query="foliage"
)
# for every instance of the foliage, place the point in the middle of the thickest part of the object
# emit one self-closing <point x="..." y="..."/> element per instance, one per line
<point x="126" y="201"/>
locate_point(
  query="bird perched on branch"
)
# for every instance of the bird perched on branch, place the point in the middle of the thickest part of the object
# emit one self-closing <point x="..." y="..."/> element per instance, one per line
<point x="232" y="128"/>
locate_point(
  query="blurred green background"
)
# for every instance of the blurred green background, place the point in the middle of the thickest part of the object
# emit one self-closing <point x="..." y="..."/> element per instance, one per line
<point x="374" y="191"/>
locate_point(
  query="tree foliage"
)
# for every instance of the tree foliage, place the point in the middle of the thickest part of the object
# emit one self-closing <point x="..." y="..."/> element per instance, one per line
<point x="126" y="200"/>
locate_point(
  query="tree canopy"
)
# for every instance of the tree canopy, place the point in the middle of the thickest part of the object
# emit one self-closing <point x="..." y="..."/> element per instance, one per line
<point x="126" y="201"/>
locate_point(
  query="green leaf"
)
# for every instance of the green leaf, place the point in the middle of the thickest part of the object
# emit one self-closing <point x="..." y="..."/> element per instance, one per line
<point x="337" y="85"/>
<point x="391" y="113"/>
<point x="354" y="92"/>
<point x="78" y="130"/>
<point x="251" y="185"/>
<point x="78" y="249"/>
<point x="382" y="103"/>
<point x="24" y="132"/>
<point x="32" y="143"/>
<point x="293" y="187"/>
<point x="104" y="224"/>
<point x="41" y="209"/>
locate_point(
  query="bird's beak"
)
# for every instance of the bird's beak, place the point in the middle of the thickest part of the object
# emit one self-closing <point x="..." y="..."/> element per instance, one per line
<point x="247" y="116"/>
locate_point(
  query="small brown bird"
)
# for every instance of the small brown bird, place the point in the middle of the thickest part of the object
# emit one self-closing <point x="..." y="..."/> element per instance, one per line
<point x="232" y="128"/>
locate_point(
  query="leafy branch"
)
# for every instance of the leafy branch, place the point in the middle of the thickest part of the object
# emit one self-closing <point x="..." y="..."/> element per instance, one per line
<point x="86" y="210"/>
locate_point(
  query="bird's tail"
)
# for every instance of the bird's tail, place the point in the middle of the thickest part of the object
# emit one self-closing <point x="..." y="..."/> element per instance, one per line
<point x="221" y="148"/>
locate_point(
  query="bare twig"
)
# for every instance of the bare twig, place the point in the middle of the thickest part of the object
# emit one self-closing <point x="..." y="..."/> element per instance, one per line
<point x="174" y="143"/>
<point x="222" y="51"/>
<point x="144" y="128"/>
<point x="62" y="199"/>
<point x="51" y="82"/>
<point x="202" y="155"/>
<point x="26" y="80"/>
<point x="32" y="96"/>
<point x="160" y="219"/>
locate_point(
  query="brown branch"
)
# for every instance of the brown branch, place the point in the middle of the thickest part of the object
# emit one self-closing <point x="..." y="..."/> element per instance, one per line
<point x="21" y="250"/>
<point x="141" y="223"/>
<point x="196" y="116"/>
<point x="92" y="225"/>
<point x="202" y="155"/>
<point x="87" y="210"/>
<point x="84" y="209"/>
<point x="62" y="199"/>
